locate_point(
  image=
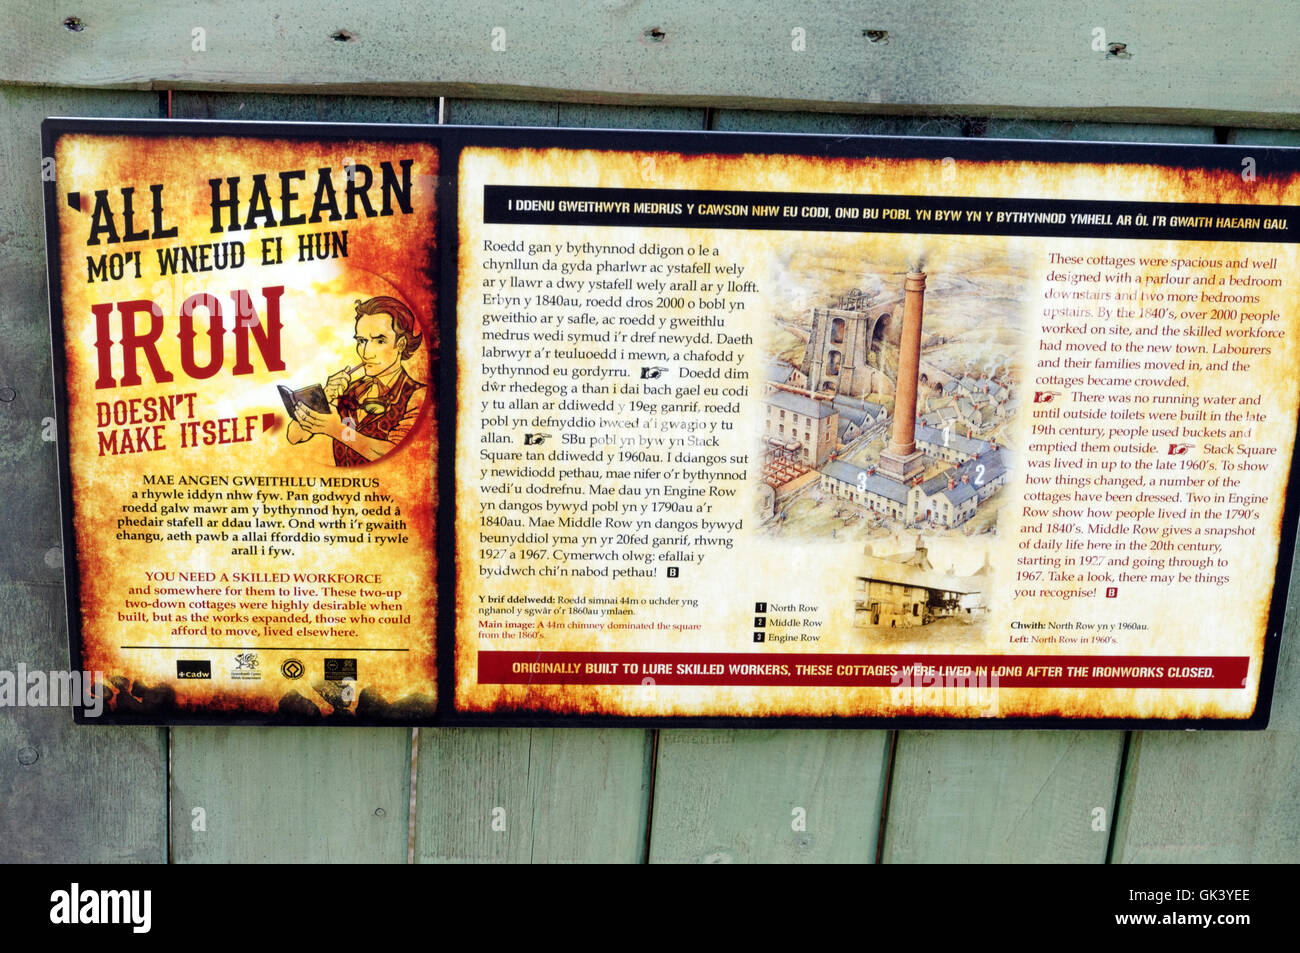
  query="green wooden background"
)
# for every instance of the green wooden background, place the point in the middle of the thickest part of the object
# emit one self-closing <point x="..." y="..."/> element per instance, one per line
<point x="1187" y="72"/>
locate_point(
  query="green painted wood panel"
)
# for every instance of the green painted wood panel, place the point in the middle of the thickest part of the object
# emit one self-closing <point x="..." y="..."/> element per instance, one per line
<point x="1095" y="131"/>
<point x="67" y="793"/>
<point x="500" y="112"/>
<point x="292" y="794"/>
<point x="561" y="794"/>
<point x="754" y="796"/>
<point x="32" y="492"/>
<point x="1002" y="797"/>
<point x="608" y="116"/>
<point x="307" y="107"/>
<point x="1012" y="796"/>
<point x="1219" y="796"/>
<point x="966" y="57"/>
<point x="532" y="795"/>
<point x="835" y="124"/>
<point x="724" y="796"/>
<point x="1263" y="137"/>
<point x="575" y="794"/>
<point x="492" y="112"/>
<point x="71" y="793"/>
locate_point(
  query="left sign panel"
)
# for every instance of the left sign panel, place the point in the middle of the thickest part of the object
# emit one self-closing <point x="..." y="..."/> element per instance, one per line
<point x="245" y="349"/>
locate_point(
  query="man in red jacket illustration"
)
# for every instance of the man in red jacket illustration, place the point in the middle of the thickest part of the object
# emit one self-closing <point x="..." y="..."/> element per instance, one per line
<point x="371" y="415"/>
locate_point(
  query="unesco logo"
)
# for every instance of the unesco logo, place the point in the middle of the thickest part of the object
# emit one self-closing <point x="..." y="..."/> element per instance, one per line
<point x="292" y="668"/>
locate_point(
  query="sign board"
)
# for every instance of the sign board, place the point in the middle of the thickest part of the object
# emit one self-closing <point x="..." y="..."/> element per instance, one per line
<point x="743" y="429"/>
<point x="246" y="344"/>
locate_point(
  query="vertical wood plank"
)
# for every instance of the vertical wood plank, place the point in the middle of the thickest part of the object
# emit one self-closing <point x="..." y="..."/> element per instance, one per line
<point x="1220" y="796"/>
<point x="592" y="116"/>
<point x="68" y="793"/>
<point x="1263" y="137"/>
<point x="768" y="796"/>
<point x="723" y="796"/>
<point x="538" y="794"/>
<point x="1002" y="796"/>
<point x="498" y="112"/>
<point x="28" y="459"/>
<point x="1012" y="796"/>
<point x="292" y="794"/>
<point x="71" y="793"/>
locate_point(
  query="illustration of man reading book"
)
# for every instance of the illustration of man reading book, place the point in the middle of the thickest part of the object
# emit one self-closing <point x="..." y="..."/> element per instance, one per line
<point x="369" y="415"/>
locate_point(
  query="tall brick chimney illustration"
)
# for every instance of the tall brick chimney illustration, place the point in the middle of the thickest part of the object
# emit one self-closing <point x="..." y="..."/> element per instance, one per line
<point x="901" y="460"/>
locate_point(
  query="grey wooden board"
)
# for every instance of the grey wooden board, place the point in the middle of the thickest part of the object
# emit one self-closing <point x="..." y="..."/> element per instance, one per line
<point x="564" y="794"/>
<point x="490" y="112"/>
<point x="91" y="793"/>
<point x="608" y="116"/>
<point x="723" y="796"/>
<point x="1232" y="794"/>
<point x="494" y="112"/>
<point x="27" y="452"/>
<point x="540" y="795"/>
<point x="1002" y="797"/>
<point x="1218" y="796"/>
<point x="301" y="794"/>
<point x="742" y="796"/>
<point x="290" y="795"/>
<point x="71" y="793"/>
<point x="1095" y="131"/>
<point x="1012" y="796"/>
<point x="1202" y="63"/>
<point x="304" y="108"/>
<point x="834" y="124"/>
<point x="1264" y="137"/>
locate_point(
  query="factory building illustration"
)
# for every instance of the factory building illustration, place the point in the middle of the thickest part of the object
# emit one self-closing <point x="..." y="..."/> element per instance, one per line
<point x="838" y="359"/>
<point x="910" y="592"/>
<point x="829" y="429"/>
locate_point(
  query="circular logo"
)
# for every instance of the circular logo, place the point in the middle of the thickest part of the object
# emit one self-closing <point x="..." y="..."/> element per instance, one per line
<point x="291" y="668"/>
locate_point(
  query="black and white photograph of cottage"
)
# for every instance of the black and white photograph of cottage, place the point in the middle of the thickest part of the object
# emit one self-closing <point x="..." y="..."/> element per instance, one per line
<point x="902" y="594"/>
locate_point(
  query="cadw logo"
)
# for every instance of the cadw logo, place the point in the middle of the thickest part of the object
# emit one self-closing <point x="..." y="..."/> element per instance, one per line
<point x="77" y="906"/>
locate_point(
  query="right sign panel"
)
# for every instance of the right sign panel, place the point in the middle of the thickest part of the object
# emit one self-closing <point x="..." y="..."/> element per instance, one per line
<point x="774" y="429"/>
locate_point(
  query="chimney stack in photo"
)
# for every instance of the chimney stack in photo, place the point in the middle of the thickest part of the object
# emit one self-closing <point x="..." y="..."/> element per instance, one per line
<point x="901" y="460"/>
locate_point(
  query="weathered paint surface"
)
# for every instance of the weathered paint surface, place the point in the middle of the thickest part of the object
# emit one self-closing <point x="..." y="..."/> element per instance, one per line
<point x="78" y="794"/>
<point x="1111" y="60"/>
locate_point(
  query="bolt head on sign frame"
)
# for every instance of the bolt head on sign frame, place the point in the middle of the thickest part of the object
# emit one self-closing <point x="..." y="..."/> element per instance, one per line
<point x="373" y="424"/>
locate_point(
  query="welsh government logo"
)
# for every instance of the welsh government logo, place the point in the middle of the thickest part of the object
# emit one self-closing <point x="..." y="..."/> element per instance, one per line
<point x="246" y="667"/>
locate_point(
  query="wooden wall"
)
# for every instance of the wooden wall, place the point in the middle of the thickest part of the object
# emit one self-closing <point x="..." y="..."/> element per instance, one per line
<point x="1187" y="72"/>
